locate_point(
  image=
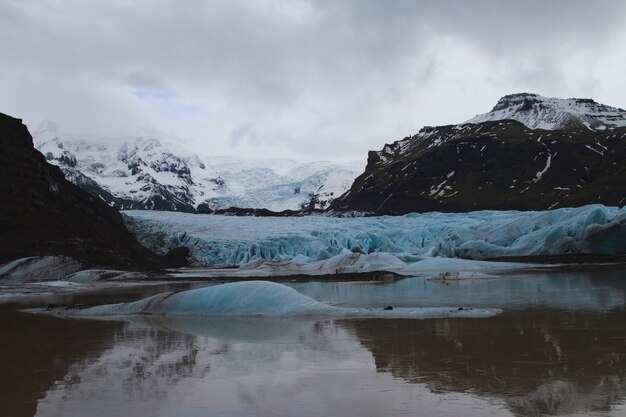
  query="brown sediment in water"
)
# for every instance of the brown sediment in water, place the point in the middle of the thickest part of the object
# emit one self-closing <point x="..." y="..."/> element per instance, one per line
<point x="521" y="356"/>
<point x="534" y="362"/>
<point x="36" y="352"/>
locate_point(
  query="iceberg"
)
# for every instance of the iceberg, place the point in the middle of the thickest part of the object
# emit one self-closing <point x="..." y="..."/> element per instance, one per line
<point x="39" y="268"/>
<point x="239" y="241"/>
<point x="263" y="299"/>
<point x="94" y="275"/>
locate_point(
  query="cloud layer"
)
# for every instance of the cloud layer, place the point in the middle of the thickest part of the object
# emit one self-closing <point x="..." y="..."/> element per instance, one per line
<point x="304" y="79"/>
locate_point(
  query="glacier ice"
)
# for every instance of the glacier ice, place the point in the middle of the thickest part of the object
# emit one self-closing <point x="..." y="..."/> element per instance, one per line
<point x="347" y="262"/>
<point x="263" y="299"/>
<point x="39" y="268"/>
<point x="410" y="239"/>
<point x="93" y="275"/>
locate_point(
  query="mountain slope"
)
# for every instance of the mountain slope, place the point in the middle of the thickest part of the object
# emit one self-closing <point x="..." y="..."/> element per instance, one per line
<point x="43" y="214"/>
<point x="500" y="165"/>
<point x="147" y="174"/>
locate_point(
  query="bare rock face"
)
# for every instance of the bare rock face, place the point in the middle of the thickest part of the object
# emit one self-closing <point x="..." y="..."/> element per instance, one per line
<point x="43" y="214"/>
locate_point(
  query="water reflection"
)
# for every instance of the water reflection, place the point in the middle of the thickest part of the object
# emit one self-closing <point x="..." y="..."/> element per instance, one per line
<point x="539" y="362"/>
<point x="573" y="290"/>
<point x="521" y="363"/>
<point x="37" y="351"/>
<point x="558" y="349"/>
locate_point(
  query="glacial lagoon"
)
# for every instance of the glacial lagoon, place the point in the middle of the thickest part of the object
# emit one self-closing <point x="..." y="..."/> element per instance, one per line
<point x="558" y="347"/>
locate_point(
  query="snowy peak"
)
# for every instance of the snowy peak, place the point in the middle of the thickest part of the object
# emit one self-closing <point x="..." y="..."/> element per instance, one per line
<point x="538" y="112"/>
<point x="140" y="173"/>
<point x="144" y="173"/>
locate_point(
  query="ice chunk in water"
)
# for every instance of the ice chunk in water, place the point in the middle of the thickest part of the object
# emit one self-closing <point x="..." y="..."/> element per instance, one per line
<point x="263" y="298"/>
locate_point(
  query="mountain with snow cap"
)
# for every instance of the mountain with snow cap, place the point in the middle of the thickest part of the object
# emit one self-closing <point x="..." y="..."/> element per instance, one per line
<point x="528" y="153"/>
<point x="538" y="112"/>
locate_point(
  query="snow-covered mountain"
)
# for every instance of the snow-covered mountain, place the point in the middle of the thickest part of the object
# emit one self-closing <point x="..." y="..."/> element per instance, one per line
<point x="537" y="112"/>
<point x="145" y="173"/>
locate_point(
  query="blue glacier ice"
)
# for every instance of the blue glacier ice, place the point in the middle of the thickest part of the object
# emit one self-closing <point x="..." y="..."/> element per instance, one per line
<point x="228" y="240"/>
<point x="265" y="299"/>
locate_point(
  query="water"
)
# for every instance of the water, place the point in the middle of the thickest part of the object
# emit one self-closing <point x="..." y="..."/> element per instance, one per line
<point x="559" y="348"/>
<point x="571" y="290"/>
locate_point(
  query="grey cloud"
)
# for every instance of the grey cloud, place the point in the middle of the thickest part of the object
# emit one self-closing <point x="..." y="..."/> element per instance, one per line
<point x="145" y="79"/>
<point x="362" y="66"/>
<point x="243" y="133"/>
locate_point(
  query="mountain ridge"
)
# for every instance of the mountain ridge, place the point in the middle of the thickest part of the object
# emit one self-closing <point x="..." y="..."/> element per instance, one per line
<point x="144" y="173"/>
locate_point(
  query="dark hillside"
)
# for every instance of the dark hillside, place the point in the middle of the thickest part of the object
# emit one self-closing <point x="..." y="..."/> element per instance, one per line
<point x="495" y="165"/>
<point x="43" y="214"/>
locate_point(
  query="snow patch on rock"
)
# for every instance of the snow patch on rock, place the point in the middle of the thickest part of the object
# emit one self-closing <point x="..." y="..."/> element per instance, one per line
<point x="538" y="112"/>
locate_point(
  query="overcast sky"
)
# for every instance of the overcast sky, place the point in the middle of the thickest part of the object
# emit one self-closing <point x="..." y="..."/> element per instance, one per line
<point x="304" y="79"/>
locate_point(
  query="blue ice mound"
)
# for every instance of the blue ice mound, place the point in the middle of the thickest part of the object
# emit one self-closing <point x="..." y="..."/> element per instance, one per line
<point x="226" y="240"/>
<point x="262" y="298"/>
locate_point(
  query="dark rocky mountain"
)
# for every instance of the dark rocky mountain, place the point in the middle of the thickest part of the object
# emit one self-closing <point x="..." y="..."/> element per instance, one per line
<point x="41" y="213"/>
<point x="494" y="165"/>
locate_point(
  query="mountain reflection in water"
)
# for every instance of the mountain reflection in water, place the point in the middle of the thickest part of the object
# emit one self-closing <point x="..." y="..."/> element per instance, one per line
<point x="539" y="362"/>
<point x="557" y="349"/>
<point x="521" y="363"/>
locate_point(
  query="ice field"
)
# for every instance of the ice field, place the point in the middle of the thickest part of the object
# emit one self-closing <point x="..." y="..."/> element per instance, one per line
<point x="370" y="243"/>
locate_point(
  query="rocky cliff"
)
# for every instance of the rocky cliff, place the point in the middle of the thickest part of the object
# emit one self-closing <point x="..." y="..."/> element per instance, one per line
<point x="43" y="214"/>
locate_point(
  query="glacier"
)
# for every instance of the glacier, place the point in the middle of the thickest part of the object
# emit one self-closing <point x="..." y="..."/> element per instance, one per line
<point x="371" y="243"/>
<point x="263" y="299"/>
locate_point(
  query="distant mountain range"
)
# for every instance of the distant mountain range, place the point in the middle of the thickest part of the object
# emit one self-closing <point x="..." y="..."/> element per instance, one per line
<point x="145" y="173"/>
<point x="529" y="153"/>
